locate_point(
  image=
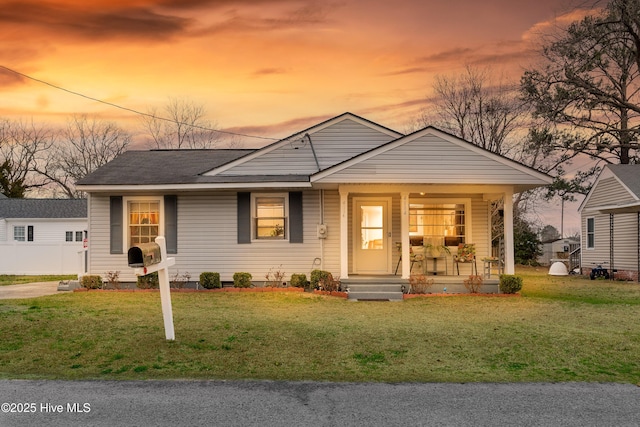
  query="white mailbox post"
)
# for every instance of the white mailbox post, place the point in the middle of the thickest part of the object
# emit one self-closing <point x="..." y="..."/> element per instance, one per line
<point x="144" y="259"/>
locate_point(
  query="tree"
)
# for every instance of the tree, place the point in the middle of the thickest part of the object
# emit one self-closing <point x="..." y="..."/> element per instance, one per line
<point x="588" y="87"/>
<point x="526" y="242"/>
<point x="180" y="125"/>
<point x="473" y="107"/>
<point x="87" y="144"/>
<point x="24" y="148"/>
<point x="549" y="234"/>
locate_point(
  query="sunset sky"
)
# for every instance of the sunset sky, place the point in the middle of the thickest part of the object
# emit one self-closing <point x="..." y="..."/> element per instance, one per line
<point x="260" y="67"/>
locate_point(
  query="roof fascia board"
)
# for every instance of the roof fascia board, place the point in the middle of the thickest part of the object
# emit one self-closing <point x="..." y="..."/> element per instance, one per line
<point x="431" y="131"/>
<point x="311" y="130"/>
<point x="192" y="187"/>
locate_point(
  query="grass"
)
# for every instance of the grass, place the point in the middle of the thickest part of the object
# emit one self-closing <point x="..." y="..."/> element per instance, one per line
<point x="10" y="279"/>
<point x="561" y="329"/>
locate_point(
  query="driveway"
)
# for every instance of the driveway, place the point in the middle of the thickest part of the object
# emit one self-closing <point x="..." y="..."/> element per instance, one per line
<point x="29" y="290"/>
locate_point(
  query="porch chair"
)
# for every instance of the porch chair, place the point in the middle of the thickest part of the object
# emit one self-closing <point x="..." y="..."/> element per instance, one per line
<point x="466" y="253"/>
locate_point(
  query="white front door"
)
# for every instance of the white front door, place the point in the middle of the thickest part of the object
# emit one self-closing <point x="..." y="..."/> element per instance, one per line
<point x="371" y="236"/>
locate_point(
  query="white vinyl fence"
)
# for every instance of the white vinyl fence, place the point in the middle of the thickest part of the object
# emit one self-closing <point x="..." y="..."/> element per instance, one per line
<point x="41" y="258"/>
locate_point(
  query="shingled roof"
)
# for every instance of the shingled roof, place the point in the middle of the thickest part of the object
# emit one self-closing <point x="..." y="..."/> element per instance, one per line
<point x="158" y="167"/>
<point x="43" y="208"/>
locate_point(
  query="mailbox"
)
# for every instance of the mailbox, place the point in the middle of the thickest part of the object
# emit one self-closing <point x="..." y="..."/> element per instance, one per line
<point x="144" y="255"/>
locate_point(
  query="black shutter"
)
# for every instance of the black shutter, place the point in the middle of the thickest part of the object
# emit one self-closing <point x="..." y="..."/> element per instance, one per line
<point x="244" y="217"/>
<point x="115" y="224"/>
<point x="29" y="233"/>
<point x="295" y="217"/>
<point x="171" y="223"/>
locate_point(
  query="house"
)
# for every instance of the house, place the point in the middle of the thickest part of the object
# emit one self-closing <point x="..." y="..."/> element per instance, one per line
<point x="42" y="236"/>
<point x="558" y="249"/>
<point x="610" y="222"/>
<point x="347" y="195"/>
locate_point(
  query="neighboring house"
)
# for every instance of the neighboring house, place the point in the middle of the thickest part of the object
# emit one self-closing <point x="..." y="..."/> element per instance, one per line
<point x="42" y="236"/>
<point x="558" y="249"/>
<point x="347" y="195"/>
<point x="610" y="222"/>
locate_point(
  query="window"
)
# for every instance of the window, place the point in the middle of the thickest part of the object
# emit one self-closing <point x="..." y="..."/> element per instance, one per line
<point x="19" y="233"/>
<point x="144" y="221"/>
<point x="68" y="236"/>
<point x="591" y="233"/>
<point x="437" y="223"/>
<point x="79" y="236"/>
<point x="270" y="217"/>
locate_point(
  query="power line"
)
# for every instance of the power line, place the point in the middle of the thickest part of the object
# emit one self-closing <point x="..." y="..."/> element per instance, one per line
<point x="130" y="109"/>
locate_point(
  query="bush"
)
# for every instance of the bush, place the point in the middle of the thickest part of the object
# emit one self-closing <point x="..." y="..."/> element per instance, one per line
<point x="242" y="280"/>
<point x="420" y="284"/>
<point x="113" y="278"/>
<point x="150" y="281"/>
<point x="473" y="284"/>
<point x="318" y="276"/>
<point x="275" y="277"/>
<point x="510" y="284"/>
<point x="210" y="280"/>
<point x="91" y="282"/>
<point x="299" y="280"/>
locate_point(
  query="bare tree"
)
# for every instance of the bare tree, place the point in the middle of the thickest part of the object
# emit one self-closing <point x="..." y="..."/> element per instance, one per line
<point x="473" y="107"/>
<point x="86" y="144"/>
<point x="24" y="148"/>
<point x="181" y="124"/>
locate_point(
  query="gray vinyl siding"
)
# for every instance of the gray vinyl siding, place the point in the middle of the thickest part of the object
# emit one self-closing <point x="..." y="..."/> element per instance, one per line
<point x="608" y="192"/>
<point x="625" y="240"/>
<point x="207" y="240"/>
<point x="331" y="250"/>
<point x="434" y="160"/>
<point x="334" y="144"/>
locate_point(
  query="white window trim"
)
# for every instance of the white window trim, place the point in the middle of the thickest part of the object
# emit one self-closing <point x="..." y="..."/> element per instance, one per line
<point x="24" y="233"/>
<point x="125" y="216"/>
<point x="254" y="196"/>
<point x="586" y="233"/>
<point x="468" y="233"/>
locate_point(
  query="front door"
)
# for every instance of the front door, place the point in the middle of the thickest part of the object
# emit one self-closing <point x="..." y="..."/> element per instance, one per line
<point x="372" y="236"/>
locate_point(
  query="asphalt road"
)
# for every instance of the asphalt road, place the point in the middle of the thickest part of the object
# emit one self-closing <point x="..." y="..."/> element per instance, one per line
<point x="267" y="403"/>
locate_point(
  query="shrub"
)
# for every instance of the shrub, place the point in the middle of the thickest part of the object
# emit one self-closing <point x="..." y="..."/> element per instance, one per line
<point x="473" y="284"/>
<point x="179" y="280"/>
<point x="242" y="280"/>
<point x="113" y="278"/>
<point x="91" y="282"/>
<point x="210" y="280"/>
<point x="274" y="277"/>
<point x="419" y="284"/>
<point x="317" y="276"/>
<point x="510" y="284"/>
<point x="150" y="281"/>
<point x="328" y="283"/>
<point x="299" y="280"/>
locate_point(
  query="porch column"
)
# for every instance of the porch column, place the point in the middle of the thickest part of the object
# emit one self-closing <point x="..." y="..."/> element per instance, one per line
<point x="509" y="252"/>
<point x="404" y="235"/>
<point x="344" y="234"/>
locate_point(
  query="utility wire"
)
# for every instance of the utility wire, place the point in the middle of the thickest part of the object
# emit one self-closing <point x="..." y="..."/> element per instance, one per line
<point x="130" y="109"/>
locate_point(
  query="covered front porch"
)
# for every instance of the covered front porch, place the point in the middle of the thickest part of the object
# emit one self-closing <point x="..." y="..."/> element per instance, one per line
<point x="398" y="230"/>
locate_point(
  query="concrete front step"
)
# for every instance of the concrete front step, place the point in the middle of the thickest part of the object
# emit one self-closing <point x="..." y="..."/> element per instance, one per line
<point x="375" y="296"/>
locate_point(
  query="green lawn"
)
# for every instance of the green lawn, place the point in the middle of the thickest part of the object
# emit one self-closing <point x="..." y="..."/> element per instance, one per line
<point x="561" y="329"/>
